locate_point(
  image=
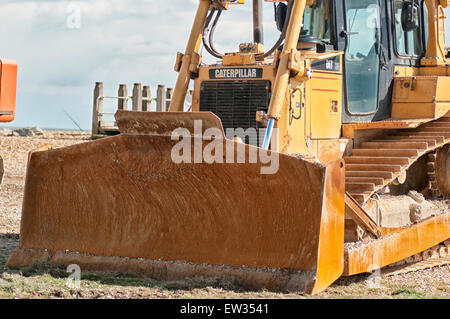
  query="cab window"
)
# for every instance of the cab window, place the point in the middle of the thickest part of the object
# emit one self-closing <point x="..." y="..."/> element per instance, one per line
<point x="316" y="22"/>
<point x="407" y="43"/>
<point x="425" y="25"/>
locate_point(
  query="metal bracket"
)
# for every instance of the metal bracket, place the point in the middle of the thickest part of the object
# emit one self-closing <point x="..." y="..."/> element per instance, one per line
<point x="194" y="61"/>
<point x="261" y="117"/>
<point x="225" y="3"/>
<point x="178" y="62"/>
<point x="360" y="217"/>
<point x="295" y="62"/>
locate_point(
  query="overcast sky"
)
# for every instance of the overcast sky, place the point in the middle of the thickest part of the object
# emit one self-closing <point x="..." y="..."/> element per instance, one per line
<point x="114" y="41"/>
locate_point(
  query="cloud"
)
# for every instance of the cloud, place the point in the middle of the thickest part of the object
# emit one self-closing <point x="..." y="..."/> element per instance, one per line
<point x="119" y="41"/>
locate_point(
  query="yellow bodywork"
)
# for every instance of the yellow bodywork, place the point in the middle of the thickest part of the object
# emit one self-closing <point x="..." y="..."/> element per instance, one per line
<point x="436" y="54"/>
<point x="312" y="125"/>
<point x="421" y="97"/>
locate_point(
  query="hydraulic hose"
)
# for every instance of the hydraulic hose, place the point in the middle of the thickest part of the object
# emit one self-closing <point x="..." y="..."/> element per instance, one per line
<point x="266" y="143"/>
<point x="282" y="35"/>
<point x="282" y="78"/>
<point x="209" y="33"/>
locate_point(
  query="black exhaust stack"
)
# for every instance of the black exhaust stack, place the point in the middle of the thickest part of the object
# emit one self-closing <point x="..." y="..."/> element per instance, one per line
<point x="258" y="34"/>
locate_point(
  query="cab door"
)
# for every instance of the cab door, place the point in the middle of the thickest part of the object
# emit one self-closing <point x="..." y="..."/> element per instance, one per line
<point x="362" y="56"/>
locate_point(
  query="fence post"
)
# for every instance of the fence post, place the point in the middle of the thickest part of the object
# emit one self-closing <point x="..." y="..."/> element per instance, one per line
<point x="147" y="94"/>
<point x="137" y="97"/>
<point x="161" y="98"/>
<point x="97" y="108"/>
<point x="169" y="94"/>
<point x="122" y="104"/>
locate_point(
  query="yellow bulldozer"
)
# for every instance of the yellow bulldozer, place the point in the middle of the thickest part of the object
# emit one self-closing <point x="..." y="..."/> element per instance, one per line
<point x="277" y="177"/>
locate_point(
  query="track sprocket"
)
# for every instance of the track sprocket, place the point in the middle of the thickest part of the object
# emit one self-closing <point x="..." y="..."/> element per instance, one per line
<point x="438" y="168"/>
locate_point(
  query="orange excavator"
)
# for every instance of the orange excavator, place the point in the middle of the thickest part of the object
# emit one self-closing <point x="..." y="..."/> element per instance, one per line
<point x="289" y="171"/>
<point x="8" y="84"/>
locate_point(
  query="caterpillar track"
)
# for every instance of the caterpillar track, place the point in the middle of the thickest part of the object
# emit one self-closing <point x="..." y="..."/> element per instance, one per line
<point x="431" y="166"/>
<point x="378" y="163"/>
<point x="436" y="256"/>
<point x="438" y="170"/>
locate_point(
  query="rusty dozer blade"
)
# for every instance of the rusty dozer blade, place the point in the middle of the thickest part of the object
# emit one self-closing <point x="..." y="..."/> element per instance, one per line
<point x="123" y="204"/>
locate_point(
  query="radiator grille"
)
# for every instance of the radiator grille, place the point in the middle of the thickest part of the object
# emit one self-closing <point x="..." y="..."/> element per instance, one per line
<point x="235" y="102"/>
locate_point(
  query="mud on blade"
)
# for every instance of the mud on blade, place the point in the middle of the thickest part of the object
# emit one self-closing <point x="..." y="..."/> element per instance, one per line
<point x="121" y="203"/>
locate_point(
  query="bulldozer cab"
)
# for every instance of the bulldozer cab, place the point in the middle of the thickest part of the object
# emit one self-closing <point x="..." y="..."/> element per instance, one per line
<point x="378" y="40"/>
<point x="375" y="38"/>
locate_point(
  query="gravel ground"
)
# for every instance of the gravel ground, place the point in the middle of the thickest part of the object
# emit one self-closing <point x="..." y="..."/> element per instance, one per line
<point x="14" y="151"/>
<point x="50" y="282"/>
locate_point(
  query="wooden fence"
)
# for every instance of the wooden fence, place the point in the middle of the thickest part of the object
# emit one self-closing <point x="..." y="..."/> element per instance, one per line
<point x="141" y="100"/>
